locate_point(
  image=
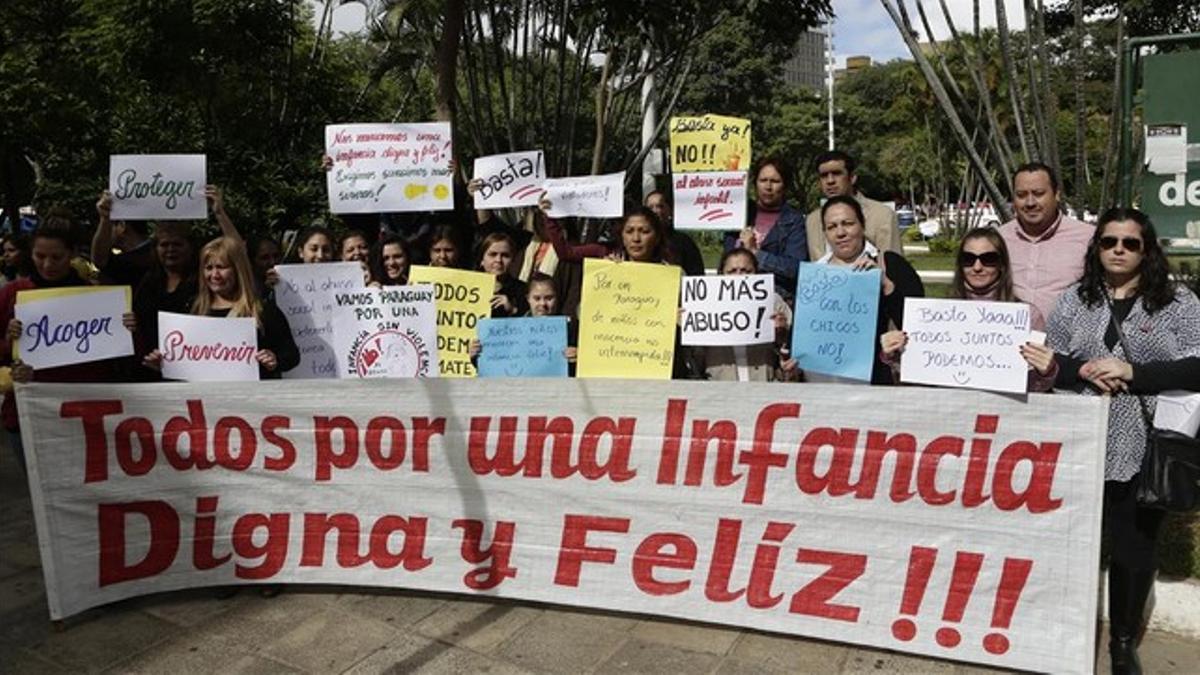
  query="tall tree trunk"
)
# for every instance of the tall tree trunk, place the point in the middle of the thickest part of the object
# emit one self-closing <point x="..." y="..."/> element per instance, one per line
<point x="1051" y="97"/>
<point x="1041" y="126"/>
<point x="1108" y="188"/>
<point x="1014" y="82"/>
<point x="447" y="59"/>
<point x="601" y="106"/>
<point x="939" y="91"/>
<point x="1081" y="183"/>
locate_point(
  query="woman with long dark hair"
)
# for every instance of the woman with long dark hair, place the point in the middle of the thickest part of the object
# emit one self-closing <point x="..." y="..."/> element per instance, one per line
<point x="1126" y="290"/>
<point x="390" y="261"/>
<point x="984" y="272"/>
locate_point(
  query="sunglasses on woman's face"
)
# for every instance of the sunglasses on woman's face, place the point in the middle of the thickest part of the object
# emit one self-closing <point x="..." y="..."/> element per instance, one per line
<point x="1131" y="244"/>
<point x="989" y="259"/>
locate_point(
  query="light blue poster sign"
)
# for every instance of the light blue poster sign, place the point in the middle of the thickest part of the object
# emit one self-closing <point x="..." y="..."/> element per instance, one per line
<point x="524" y="347"/>
<point x="833" y="332"/>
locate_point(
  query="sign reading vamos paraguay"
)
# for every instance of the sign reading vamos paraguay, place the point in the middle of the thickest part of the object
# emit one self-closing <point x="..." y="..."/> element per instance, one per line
<point x="386" y="332"/>
<point x="157" y="187"/>
<point x="381" y="168"/>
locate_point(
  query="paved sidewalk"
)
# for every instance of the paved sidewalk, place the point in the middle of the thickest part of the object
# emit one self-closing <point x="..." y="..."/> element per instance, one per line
<point x="349" y="630"/>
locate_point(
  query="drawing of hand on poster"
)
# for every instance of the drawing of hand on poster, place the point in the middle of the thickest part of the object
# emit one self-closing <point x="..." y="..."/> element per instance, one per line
<point x="386" y="332"/>
<point x="710" y="143"/>
<point x="379" y="168"/>
<point x="157" y="187"/>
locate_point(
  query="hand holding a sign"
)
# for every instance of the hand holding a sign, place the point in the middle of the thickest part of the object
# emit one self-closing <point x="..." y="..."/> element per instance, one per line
<point x="748" y="240"/>
<point x="1039" y="357"/>
<point x="267" y="359"/>
<point x="104" y="206"/>
<point x="892" y="343"/>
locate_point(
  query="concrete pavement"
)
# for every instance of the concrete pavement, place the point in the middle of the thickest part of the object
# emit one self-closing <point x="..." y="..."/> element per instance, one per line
<point x="350" y="630"/>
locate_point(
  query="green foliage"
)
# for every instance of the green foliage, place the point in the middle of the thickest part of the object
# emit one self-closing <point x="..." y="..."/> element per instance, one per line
<point x="942" y="245"/>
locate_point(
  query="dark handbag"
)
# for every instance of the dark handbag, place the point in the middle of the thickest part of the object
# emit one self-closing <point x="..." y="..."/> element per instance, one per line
<point x="1170" y="476"/>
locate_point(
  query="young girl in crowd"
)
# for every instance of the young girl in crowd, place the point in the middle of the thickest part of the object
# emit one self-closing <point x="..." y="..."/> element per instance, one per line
<point x="495" y="254"/>
<point x="51" y="268"/>
<point x="228" y="291"/>
<point x="543" y="300"/>
<point x="390" y="261"/>
<point x="984" y="272"/>
<point x="746" y="363"/>
<point x="314" y="245"/>
<point x="15" y="257"/>
<point x="445" y="248"/>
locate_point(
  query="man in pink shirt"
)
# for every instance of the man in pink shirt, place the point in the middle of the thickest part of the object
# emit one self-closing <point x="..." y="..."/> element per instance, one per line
<point x="1046" y="247"/>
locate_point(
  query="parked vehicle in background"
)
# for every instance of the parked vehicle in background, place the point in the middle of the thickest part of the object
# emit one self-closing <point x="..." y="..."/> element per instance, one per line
<point x="906" y="217"/>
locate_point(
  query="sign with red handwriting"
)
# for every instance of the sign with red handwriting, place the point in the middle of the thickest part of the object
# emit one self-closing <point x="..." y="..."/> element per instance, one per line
<point x="386" y="332"/>
<point x="389" y="167"/>
<point x="837" y="512"/>
<point x="206" y="348"/>
<point x="710" y="201"/>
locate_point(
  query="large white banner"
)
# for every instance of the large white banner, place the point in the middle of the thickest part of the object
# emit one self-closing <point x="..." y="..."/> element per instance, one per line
<point x="389" y="167"/>
<point x="956" y="524"/>
<point x="966" y="343"/>
<point x="305" y="296"/>
<point x="586" y="196"/>
<point x="62" y="326"/>
<point x="386" y="332"/>
<point x="514" y="179"/>
<point x="159" y="187"/>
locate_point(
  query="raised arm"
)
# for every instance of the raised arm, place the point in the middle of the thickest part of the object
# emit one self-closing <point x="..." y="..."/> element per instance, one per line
<point x="102" y="239"/>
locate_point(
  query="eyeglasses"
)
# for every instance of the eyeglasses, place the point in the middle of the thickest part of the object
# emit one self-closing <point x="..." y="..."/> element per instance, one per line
<point x="989" y="259"/>
<point x="1131" y="244"/>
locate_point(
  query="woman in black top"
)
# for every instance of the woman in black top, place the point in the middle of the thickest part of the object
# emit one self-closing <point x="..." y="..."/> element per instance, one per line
<point x="495" y="253"/>
<point x="229" y="291"/>
<point x="846" y="236"/>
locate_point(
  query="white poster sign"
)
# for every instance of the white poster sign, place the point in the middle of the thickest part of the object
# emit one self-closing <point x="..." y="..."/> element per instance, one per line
<point x="514" y="179"/>
<point x="386" y="332"/>
<point x="710" y="201"/>
<point x="966" y="343"/>
<point x="305" y="296"/>
<point x="966" y="527"/>
<point x="207" y="349"/>
<point x="389" y="167"/>
<point x="1166" y="149"/>
<point x="587" y="196"/>
<point x="728" y="310"/>
<point x="157" y="187"/>
<point x="72" y="325"/>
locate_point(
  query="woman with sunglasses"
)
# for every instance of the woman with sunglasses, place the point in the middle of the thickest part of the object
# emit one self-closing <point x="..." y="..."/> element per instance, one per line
<point x="1126" y="330"/>
<point x="983" y="272"/>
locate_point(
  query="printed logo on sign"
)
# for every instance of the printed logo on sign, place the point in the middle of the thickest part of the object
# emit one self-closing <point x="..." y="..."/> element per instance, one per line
<point x="390" y="352"/>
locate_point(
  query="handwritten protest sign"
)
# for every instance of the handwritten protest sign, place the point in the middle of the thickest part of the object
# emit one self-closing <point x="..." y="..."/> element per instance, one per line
<point x="159" y="187"/>
<point x="75" y="325"/>
<point x="206" y="348"/>
<point x="386" y="332"/>
<point x="627" y="316"/>
<point x="514" y="179"/>
<point x="710" y="201"/>
<point x="525" y="347"/>
<point x="833" y="332"/>
<point x="710" y="143"/>
<point x="389" y="167"/>
<point x="586" y="196"/>
<point x="728" y="310"/>
<point x="963" y="343"/>
<point x="463" y="299"/>
<point x="305" y="296"/>
<point x="821" y="511"/>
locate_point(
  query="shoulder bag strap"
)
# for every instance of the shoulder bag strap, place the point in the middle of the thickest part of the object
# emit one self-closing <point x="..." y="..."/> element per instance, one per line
<point x="1112" y="318"/>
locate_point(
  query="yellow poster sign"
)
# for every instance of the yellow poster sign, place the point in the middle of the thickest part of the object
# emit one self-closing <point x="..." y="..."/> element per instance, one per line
<point x="710" y="143"/>
<point x="463" y="298"/>
<point x="627" y="317"/>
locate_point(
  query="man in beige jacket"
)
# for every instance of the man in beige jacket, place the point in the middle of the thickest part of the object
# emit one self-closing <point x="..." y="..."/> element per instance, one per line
<point x="835" y="170"/>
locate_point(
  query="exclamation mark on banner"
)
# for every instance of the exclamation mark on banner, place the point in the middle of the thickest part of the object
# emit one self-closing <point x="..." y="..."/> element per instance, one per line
<point x="962" y="582"/>
<point x="758" y="322"/>
<point x="920" y="566"/>
<point x="1012" y="582"/>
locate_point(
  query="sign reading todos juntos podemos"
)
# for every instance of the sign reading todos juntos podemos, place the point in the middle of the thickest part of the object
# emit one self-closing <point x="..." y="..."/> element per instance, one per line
<point x="845" y="513"/>
<point x="389" y="167"/>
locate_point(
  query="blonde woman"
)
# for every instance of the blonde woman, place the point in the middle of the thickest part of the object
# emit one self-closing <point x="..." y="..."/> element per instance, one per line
<point x="227" y="290"/>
